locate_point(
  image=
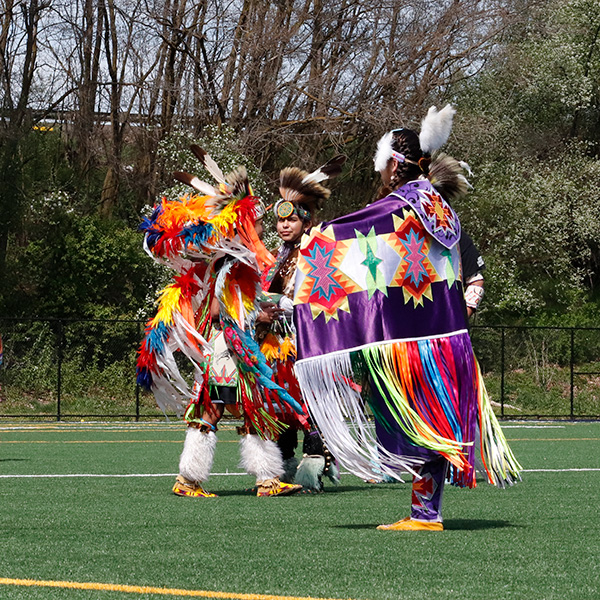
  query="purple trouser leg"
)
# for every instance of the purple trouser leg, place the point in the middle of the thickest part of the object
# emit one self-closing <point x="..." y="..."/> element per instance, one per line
<point x="426" y="503"/>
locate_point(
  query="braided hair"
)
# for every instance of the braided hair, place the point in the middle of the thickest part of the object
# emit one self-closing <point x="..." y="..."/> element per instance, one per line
<point x="413" y="154"/>
<point x="416" y="164"/>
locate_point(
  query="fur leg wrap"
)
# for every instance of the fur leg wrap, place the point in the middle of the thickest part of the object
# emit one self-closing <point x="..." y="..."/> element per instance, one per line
<point x="195" y="463"/>
<point x="261" y="458"/>
<point x="290" y="466"/>
<point x="310" y="472"/>
<point x="332" y="471"/>
<point x="316" y="463"/>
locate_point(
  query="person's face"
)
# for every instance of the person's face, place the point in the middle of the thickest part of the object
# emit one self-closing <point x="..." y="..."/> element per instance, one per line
<point x="291" y="228"/>
<point x="386" y="174"/>
<point x="259" y="227"/>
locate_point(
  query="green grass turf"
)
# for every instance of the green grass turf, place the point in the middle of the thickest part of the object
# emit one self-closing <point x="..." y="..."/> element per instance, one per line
<point x="537" y="540"/>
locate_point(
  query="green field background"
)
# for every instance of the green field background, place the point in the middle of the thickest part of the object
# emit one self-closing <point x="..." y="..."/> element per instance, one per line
<point x="537" y="540"/>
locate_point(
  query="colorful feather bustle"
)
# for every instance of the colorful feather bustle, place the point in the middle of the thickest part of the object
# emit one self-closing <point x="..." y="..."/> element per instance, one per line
<point x="211" y="244"/>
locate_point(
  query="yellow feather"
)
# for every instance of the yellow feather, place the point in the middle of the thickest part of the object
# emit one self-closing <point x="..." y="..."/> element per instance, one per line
<point x="231" y="304"/>
<point x="168" y="302"/>
<point x="287" y="349"/>
<point x="270" y="347"/>
<point x="225" y="219"/>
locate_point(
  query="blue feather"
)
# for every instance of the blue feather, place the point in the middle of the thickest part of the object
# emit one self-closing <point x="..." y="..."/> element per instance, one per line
<point x="144" y="378"/>
<point x="196" y="235"/>
<point x="157" y="338"/>
<point x="148" y="224"/>
<point x="263" y="371"/>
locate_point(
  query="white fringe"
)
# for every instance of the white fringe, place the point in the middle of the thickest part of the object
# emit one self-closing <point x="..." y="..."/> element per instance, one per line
<point x="196" y="460"/>
<point x="261" y="458"/>
<point x="338" y="410"/>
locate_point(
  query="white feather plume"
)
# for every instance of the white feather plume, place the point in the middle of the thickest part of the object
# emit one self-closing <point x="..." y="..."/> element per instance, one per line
<point x="436" y="128"/>
<point x="384" y="151"/>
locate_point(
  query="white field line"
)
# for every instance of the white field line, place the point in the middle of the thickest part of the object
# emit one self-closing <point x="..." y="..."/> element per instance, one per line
<point x="558" y="470"/>
<point x="177" y="425"/>
<point x="532" y="426"/>
<point x="122" y="475"/>
<point x="115" y="475"/>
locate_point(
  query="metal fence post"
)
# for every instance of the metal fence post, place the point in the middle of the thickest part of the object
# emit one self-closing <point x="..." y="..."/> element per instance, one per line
<point x="572" y="372"/>
<point x="137" y="385"/>
<point x="502" y="373"/>
<point x="59" y="367"/>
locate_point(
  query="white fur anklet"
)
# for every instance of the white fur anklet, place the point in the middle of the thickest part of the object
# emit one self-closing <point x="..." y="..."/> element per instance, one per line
<point x="196" y="460"/>
<point x="261" y="458"/>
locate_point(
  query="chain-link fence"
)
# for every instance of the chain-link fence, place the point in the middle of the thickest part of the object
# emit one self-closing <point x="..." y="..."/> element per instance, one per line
<point x="69" y="369"/>
<point x="72" y="369"/>
<point x="545" y="372"/>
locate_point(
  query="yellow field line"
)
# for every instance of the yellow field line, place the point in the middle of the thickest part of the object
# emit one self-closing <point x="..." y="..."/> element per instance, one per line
<point x="553" y="439"/>
<point x="135" y="589"/>
<point x="103" y="442"/>
<point x="235" y="442"/>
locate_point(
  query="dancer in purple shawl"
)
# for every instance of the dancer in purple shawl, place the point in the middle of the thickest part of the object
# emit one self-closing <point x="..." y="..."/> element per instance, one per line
<point x="382" y="333"/>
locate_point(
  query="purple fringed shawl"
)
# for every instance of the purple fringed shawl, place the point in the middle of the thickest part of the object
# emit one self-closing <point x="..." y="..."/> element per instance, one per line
<point x="385" y="282"/>
<point x="377" y="275"/>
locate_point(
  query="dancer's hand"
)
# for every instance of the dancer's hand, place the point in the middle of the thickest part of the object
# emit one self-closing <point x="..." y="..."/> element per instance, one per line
<point x="269" y="313"/>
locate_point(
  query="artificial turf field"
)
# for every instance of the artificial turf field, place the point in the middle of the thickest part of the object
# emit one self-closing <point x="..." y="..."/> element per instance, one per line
<point x="113" y="529"/>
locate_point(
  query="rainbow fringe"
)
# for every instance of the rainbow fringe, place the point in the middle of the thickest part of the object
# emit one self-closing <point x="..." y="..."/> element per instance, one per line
<point x="429" y="393"/>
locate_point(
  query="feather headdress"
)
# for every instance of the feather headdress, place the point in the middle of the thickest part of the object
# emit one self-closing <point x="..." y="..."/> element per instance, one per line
<point x="233" y="186"/>
<point x="447" y="177"/>
<point x="300" y="187"/>
<point x="436" y="128"/>
<point x="435" y="131"/>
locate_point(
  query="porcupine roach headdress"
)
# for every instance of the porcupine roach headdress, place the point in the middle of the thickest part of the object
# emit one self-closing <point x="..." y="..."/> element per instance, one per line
<point x="191" y="235"/>
<point x="445" y="173"/>
<point x="302" y="192"/>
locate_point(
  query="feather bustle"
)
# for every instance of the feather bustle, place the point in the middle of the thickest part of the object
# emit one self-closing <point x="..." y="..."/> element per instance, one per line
<point x="447" y="177"/>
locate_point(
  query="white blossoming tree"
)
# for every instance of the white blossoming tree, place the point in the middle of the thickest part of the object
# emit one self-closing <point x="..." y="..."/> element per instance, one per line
<point x="530" y="128"/>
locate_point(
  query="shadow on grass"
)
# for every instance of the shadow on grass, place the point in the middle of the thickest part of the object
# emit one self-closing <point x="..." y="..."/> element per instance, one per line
<point x="476" y="524"/>
<point x="240" y="492"/>
<point x="369" y="486"/>
<point x="328" y="490"/>
<point x="14" y="460"/>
